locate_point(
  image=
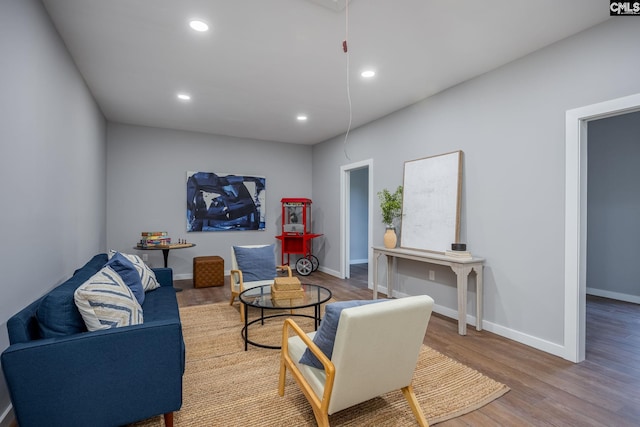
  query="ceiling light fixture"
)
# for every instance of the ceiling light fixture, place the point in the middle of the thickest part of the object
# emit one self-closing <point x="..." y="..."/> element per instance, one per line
<point x="367" y="74"/>
<point x="199" y="25"/>
<point x="184" y="97"/>
<point x="302" y="118"/>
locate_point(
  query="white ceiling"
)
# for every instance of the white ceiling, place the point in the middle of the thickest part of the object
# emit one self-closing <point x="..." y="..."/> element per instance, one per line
<point x="263" y="62"/>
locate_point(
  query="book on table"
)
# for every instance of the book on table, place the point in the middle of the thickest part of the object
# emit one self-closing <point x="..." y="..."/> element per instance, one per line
<point x="458" y="254"/>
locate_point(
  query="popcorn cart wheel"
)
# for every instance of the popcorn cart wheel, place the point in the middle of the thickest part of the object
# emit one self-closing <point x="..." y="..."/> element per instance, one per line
<point x="306" y="265"/>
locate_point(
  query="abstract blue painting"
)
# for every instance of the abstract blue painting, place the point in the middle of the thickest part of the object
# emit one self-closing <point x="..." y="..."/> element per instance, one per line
<point x="223" y="202"/>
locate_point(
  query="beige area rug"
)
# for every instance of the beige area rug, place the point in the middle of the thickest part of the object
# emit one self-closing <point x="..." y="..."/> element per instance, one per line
<point x="226" y="386"/>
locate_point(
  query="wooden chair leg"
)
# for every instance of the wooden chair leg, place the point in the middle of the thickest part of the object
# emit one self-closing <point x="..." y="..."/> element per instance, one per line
<point x="168" y="419"/>
<point x="321" y="418"/>
<point x="415" y="406"/>
<point x="283" y="376"/>
<point x="232" y="298"/>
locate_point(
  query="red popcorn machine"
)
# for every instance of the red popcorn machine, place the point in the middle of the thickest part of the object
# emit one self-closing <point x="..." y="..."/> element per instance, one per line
<point x="296" y="237"/>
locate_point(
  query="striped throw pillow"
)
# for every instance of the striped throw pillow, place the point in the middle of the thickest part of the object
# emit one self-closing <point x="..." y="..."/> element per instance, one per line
<point x="147" y="276"/>
<point x="106" y="302"/>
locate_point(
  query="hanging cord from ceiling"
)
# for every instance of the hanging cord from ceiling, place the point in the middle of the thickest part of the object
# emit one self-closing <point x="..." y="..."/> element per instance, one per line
<point x="345" y="48"/>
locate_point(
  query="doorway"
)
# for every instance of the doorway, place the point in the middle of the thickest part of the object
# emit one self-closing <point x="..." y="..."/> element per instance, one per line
<point x="613" y="207"/>
<point x="358" y="223"/>
<point x="576" y="217"/>
<point x="356" y="186"/>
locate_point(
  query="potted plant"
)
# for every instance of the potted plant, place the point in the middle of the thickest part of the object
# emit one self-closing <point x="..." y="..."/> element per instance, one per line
<point x="391" y="207"/>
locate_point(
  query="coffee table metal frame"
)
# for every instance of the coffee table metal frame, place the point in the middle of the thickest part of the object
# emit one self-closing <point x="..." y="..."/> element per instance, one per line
<point x="260" y="297"/>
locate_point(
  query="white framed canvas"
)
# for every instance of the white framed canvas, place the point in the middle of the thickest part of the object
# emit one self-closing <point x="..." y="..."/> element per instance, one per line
<point x="431" y="202"/>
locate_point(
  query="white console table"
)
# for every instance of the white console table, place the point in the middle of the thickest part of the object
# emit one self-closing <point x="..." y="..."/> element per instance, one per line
<point x="460" y="266"/>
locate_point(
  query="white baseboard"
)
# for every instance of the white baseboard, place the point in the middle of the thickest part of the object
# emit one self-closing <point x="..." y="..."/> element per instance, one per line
<point x="531" y="341"/>
<point x="329" y="271"/>
<point x="7" y="418"/>
<point x="613" y="295"/>
<point x="359" y="261"/>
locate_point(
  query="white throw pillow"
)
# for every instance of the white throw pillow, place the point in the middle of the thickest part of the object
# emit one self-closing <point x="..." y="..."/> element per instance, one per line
<point x="147" y="276"/>
<point x="105" y="302"/>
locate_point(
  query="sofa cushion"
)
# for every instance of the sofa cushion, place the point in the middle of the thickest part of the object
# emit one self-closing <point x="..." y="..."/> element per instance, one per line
<point x="326" y="334"/>
<point x="256" y="263"/>
<point x="161" y="304"/>
<point x="105" y="301"/>
<point x="57" y="313"/>
<point x="147" y="276"/>
<point x="129" y="275"/>
<point x="92" y="266"/>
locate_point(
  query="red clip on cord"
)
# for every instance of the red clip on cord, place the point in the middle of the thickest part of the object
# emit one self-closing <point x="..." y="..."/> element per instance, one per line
<point x="344" y="46"/>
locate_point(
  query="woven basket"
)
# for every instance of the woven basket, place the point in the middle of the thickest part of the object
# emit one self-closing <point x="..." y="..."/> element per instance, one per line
<point x="286" y="294"/>
<point x="286" y="283"/>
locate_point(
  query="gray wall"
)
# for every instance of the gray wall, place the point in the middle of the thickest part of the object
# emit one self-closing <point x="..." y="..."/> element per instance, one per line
<point x="613" y="207"/>
<point x="52" y="163"/>
<point x="358" y="222"/>
<point x="510" y="123"/>
<point x="146" y="187"/>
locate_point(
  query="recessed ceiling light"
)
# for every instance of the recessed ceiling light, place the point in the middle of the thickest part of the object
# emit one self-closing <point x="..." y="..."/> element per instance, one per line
<point x="302" y="118"/>
<point x="199" y="25"/>
<point x="184" y="97"/>
<point x="368" y="74"/>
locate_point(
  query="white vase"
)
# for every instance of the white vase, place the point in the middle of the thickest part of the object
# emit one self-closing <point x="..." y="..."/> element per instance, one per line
<point x="390" y="239"/>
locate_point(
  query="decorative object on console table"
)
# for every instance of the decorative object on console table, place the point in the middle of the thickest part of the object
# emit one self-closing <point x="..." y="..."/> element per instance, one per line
<point x="458" y="254"/>
<point x="458" y="250"/>
<point x="391" y="207"/>
<point x="390" y="238"/>
<point x="458" y="246"/>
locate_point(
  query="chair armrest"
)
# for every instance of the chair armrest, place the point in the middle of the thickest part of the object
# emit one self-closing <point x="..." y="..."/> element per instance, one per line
<point x="329" y="368"/>
<point x="235" y="278"/>
<point x="291" y="324"/>
<point x="80" y="378"/>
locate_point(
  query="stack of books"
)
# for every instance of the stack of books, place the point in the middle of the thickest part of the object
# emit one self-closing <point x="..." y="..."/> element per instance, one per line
<point x="154" y="238"/>
<point x="458" y="254"/>
<point x="286" y="288"/>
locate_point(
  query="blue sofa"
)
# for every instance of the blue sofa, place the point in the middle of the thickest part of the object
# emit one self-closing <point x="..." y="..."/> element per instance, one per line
<point x="59" y="374"/>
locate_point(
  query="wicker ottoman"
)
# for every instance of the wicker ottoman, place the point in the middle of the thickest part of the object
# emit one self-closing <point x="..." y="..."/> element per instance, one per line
<point x="208" y="271"/>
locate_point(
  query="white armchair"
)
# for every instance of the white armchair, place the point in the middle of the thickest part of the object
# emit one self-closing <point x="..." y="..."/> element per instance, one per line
<point x="251" y="266"/>
<point x="375" y="351"/>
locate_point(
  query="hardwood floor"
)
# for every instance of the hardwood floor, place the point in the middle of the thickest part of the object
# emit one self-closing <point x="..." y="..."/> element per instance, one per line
<point x="604" y="390"/>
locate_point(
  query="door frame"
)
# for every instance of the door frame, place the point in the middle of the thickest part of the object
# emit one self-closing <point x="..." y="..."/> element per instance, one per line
<point x="345" y="208"/>
<point x="575" y="272"/>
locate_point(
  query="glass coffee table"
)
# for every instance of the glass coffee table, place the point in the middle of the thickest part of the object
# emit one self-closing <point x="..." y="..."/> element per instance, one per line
<point x="260" y="297"/>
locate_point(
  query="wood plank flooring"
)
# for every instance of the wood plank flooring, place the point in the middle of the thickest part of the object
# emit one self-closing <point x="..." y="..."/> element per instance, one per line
<point x="604" y="390"/>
